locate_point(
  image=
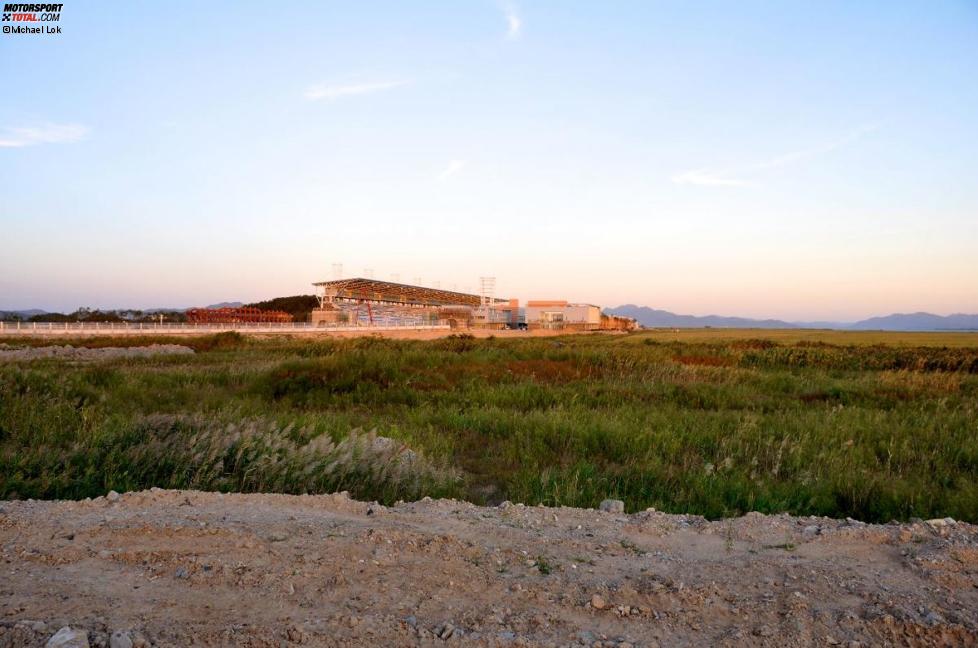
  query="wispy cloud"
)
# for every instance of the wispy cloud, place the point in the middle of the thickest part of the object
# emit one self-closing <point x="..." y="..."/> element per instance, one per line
<point x="41" y="134"/>
<point x="734" y="177"/>
<point x="453" y="167"/>
<point x="331" y="92"/>
<point x="802" y="154"/>
<point x="706" y="177"/>
<point x="514" y="24"/>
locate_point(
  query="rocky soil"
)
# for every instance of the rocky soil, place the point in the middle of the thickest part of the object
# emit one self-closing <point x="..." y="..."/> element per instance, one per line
<point x="66" y="352"/>
<point x="183" y="568"/>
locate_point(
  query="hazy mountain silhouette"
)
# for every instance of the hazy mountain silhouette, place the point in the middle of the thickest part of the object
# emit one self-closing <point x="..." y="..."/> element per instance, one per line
<point x="919" y="322"/>
<point x="24" y="314"/>
<point x="654" y="318"/>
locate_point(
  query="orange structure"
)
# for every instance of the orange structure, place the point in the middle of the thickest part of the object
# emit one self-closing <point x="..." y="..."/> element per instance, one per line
<point x="617" y="323"/>
<point x="235" y="315"/>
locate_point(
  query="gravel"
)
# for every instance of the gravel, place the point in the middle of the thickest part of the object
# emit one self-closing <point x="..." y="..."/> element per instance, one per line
<point x="164" y="573"/>
<point x="68" y="637"/>
<point x="612" y="506"/>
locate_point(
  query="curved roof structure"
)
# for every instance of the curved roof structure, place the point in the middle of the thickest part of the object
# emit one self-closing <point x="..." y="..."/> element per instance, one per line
<point x="396" y="293"/>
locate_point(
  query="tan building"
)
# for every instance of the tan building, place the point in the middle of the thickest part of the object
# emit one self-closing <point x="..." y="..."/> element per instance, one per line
<point x="561" y="314"/>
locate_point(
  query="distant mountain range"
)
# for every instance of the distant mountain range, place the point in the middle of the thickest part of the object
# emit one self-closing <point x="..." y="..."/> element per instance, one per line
<point x="653" y="318"/>
<point x="226" y="305"/>
<point x="919" y="322"/>
<point x="22" y="313"/>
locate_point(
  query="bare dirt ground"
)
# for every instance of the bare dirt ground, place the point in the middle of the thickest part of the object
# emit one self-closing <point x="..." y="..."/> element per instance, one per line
<point x="67" y="352"/>
<point x="183" y="568"/>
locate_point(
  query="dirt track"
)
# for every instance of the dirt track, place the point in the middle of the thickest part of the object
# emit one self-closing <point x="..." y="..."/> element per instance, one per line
<point x="180" y="568"/>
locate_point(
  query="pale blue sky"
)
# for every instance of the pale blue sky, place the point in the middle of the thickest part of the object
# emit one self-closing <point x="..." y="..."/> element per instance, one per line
<point x="797" y="160"/>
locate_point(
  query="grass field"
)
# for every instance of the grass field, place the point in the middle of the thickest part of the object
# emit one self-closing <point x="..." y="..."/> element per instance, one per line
<point x="875" y="426"/>
<point x="795" y="336"/>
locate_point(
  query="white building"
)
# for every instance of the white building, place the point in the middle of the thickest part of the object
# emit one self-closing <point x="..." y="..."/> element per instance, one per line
<point x="560" y="314"/>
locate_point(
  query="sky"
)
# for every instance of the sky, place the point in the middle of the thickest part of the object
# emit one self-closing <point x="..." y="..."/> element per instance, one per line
<point x="805" y="161"/>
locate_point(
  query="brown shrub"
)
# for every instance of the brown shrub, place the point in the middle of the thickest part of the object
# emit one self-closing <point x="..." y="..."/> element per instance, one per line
<point x="704" y="360"/>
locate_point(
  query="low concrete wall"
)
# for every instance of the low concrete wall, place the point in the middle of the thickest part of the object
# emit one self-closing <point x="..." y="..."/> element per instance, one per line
<point x="125" y="328"/>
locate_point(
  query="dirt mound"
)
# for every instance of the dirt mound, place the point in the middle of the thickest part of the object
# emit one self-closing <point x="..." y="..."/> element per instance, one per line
<point x="67" y="352"/>
<point x="181" y="568"/>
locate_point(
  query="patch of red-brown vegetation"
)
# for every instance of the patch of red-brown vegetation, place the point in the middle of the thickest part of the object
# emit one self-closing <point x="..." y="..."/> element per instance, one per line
<point x="450" y="375"/>
<point x="548" y="371"/>
<point x="704" y="360"/>
<point x="540" y="370"/>
<point x="892" y="393"/>
<point x="753" y="345"/>
<point x="818" y="397"/>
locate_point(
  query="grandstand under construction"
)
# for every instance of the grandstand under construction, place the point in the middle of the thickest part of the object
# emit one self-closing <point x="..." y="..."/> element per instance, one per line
<point x="369" y="302"/>
<point x="359" y="301"/>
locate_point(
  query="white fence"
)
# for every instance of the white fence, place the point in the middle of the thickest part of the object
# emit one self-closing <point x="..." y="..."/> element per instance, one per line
<point x="148" y="328"/>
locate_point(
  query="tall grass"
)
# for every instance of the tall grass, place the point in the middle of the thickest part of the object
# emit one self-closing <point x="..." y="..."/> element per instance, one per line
<point x="716" y="428"/>
<point x="248" y="456"/>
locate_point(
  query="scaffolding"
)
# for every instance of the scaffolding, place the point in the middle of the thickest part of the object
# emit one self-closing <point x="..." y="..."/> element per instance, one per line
<point x="363" y="301"/>
<point x="235" y="315"/>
